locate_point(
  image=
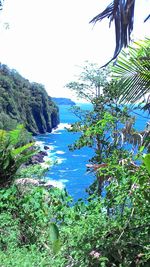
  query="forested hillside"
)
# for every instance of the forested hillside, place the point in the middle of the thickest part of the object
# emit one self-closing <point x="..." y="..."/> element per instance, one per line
<point x="26" y="103"/>
<point x="63" y="101"/>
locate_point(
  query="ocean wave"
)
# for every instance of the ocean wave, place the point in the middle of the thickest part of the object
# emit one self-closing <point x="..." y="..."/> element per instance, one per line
<point x="60" y="152"/>
<point x="61" y="127"/>
<point x="59" y="184"/>
<point x="57" y="133"/>
<point x="67" y="170"/>
<point x="60" y="160"/>
<point x="63" y="181"/>
<point x="38" y="143"/>
<point x="51" y="147"/>
<point x="62" y="171"/>
<point x="74" y="170"/>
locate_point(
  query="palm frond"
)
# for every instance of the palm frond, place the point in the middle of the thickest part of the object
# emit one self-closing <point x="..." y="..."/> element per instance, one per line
<point x="1" y="4"/>
<point x="133" y="72"/>
<point x="122" y="13"/>
<point x="148" y="17"/>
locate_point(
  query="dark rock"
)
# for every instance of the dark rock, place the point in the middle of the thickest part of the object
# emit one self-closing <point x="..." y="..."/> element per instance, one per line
<point x="43" y="153"/>
<point x="32" y="182"/>
<point x="38" y="158"/>
<point x="46" y="147"/>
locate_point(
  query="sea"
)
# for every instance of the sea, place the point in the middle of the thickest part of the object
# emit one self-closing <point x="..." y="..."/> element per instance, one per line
<point x="68" y="168"/>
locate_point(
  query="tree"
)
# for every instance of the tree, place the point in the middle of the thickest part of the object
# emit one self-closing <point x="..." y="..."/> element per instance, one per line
<point x="122" y="13"/>
<point x="99" y="127"/>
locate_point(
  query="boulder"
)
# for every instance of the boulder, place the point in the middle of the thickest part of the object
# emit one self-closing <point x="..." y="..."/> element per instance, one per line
<point x="46" y="147"/>
<point x="32" y="182"/>
<point x="38" y="158"/>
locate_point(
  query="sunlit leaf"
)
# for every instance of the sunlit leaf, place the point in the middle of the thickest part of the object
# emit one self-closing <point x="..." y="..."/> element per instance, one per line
<point x="146" y="160"/>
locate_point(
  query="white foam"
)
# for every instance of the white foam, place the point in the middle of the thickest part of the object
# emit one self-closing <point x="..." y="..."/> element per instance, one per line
<point x="51" y="147"/>
<point x="64" y="180"/>
<point x="57" y="184"/>
<point x="57" y="133"/>
<point x="45" y="164"/>
<point x="60" y="160"/>
<point x="74" y="170"/>
<point x="39" y="143"/>
<point x="61" y="126"/>
<point x="60" y="152"/>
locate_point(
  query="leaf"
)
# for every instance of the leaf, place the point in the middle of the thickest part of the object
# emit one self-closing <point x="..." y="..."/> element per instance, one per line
<point x="54" y="237"/>
<point x="54" y="232"/>
<point x="146" y="160"/>
<point x="56" y="246"/>
<point x="19" y="150"/>
<point x="122" y="13"/>
<point x="141" y="148"/>
<point x="132" y="72"/>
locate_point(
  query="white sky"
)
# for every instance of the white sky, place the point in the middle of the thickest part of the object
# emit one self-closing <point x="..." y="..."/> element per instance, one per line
<point x="48" y="39"/>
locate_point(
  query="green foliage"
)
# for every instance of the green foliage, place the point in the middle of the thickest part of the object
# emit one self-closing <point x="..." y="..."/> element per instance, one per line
<point x="101" y="128"/>
<point x="112" y="231"/>
<point x="35" y="171"/>
<point x="132" y="70"/>
<point x="27" y="217"/>
<point x="146" y="161"/>
<point x="15" y="149"/>
<point x="42" y="226"/>
<point x="25" y="102"/>
<point x="91" y="82"/>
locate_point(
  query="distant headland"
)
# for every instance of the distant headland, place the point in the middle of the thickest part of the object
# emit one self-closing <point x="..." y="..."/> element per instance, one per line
<point x="63" y="101"/>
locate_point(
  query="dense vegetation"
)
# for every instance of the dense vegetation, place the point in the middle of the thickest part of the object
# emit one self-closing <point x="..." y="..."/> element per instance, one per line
<point x="42" y="227"/>
<point x="26" y="103"/>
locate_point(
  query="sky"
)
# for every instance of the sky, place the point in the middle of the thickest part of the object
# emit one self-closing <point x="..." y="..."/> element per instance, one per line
<point x="49" y="40"/>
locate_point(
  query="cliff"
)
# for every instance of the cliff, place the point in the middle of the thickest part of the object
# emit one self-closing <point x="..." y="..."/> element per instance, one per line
<point x="26" y="103"/>
<point x="63" y="101"/>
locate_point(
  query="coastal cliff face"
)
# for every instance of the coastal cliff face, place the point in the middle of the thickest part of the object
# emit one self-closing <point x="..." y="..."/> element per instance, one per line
<point x="25" y="103"/>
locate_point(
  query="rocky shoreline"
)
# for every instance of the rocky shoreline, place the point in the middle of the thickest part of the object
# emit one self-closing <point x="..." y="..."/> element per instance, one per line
<point x="36" y="159"/>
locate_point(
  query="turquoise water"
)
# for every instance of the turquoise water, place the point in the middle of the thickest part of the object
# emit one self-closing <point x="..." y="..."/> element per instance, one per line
<point x="70" y="170"/>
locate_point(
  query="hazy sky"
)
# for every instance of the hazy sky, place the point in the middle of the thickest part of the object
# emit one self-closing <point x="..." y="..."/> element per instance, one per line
<point x="48" y="39"/>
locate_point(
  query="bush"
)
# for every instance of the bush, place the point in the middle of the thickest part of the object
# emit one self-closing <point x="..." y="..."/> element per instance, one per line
<point x="41" y="227"/>
<point x="14" y="151"/>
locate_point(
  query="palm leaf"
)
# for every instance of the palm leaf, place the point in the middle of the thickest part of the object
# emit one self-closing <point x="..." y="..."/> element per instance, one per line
<point x="122" y="13"/>
<point x="20" y="150"/>
<point x="133" y="72"/>
<point x="148" y="17"/>
<point x="1" y="4"/>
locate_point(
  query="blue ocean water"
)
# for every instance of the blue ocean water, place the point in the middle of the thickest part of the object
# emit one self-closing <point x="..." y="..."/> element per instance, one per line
<point x="70" y="168"/>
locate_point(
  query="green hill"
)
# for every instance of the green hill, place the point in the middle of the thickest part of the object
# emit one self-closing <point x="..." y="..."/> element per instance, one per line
<point x="63" y="101"/>
<point x="26" y="103"/>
